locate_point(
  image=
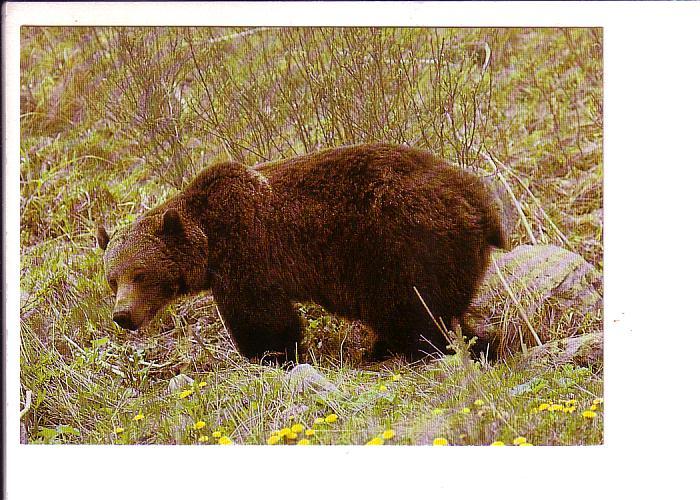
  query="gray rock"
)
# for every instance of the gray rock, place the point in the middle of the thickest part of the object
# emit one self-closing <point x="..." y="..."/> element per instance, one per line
<point x="304" y="377"/>
<point x="558" y="292"/>
<point x="179" y="383"/>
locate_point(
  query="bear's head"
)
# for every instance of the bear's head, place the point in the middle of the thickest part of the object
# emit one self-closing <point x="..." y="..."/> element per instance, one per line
<point x="162" y="255"/>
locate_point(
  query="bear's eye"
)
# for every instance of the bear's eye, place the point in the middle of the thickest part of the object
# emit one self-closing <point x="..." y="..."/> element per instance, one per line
<point x="139" y="277"/>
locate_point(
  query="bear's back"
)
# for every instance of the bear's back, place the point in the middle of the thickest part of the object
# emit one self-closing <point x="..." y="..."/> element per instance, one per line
<point x="357" y="174"/>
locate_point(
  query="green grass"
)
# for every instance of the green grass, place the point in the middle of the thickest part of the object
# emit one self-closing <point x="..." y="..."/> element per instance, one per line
<point x="102" y="150"/>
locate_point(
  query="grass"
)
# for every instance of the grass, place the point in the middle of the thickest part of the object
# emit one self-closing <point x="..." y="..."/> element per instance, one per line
<point x="528" y="111"/>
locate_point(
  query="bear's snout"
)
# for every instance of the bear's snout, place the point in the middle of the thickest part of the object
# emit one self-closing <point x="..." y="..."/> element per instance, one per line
<point x="123" y="319"/>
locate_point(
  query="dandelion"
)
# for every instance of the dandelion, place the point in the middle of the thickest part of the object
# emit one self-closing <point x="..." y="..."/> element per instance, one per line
<point x="186" y="393"/>
<point x="388" y="434"/>
<point x="588" y="414"/>
<point x="138" y="417"/>
<point x="291" y="436"/>
<point x="498" y="443"/>
<point x="224" y="440"/>
<point x="331" y="418"/>
<point x="465" y="410"/>
<point x="568" y="409"/>
<point x="303" y="442"/>
<point x="274" y="439"/>
<point x="309" y="432"/>
<point x="396" y="377"/>
<point x="297" y="428"/>
<point x="203" y="439"/>
<point x="119" y="430"/>
<point x="479" y="402"/>
<point x="284" y="431"/>
<point x="556" y="407"/>
<point x="375" y="442"/>
<point x="199" y="425"/>
<point x="593" y="407"/>
<point x="438" y="411"/>
<point x="598" y="401"/>
<point x="216" y="434"/>
<point x="319" y="420"/>
<point x="571" y="402"/>
<point x="520" y="440"/>
<point x="202" y="384"/>
<point x="382" y="388"/>
<point x="440" y="442"/>
<point x="543" y="407"/>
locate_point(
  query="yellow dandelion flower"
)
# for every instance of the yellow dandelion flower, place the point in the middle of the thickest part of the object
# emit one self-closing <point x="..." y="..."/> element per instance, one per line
<point x="571" y="402"/>
<point x="331" y="418"/>
<point x="291" y="436"/>
<point x="526" y="444"/>
<point x="593" y="407"/>
<point x="284" y="431"/>
<point x="303" y="442"/>
<point x="543" y="407"/>
<point x="297" y="428"/>
<point x="200" y="425"/>
<point x="388" y="434"/>
<point x="396" y="377"/>
<point x="185" y="394"/>
<point x="309" y="432"/>
<point x="568" y="409"/>
<point x="440" y="442"/>
<point x="588" y="414"/>
<point x="382" y="388"/>
<point x="274" y="439"/>
<point x="556" y="407"/>
<point x="519" y="440"/>
<point x="598" y="401"/>
<point x="375" y="442"/>
<point x="438" y="411"/>
<point x="465" y="410"/>
<point x="479" y="402"/>
<point x="203" y="439"/>
<point x="216" y="434"/>
<point x="202" y="384"/>
<point x="138" y="417"/>
<point x="119" y="430"/>
<point x="498" y="443"/>
<point x="224" y="440"/>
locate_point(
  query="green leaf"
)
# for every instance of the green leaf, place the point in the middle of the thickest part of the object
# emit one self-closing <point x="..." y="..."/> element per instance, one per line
<point x="99" y="342"/>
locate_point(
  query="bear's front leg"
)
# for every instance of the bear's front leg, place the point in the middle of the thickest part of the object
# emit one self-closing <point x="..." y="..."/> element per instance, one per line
<point x="263" y="323"/>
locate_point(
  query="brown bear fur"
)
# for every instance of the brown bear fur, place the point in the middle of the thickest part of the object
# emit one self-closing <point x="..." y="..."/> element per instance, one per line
<point x="353" y="229"/>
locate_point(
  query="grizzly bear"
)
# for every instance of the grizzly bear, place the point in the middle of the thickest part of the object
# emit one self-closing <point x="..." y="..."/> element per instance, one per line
<point x="353" y="229"/>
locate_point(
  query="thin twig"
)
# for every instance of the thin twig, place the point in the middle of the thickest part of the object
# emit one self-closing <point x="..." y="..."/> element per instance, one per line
<point x="27" y="403"/>
<point x="444" y="332"/>
<point x="518" y="306"/>
<point x="512" y="195"/>
<point x="536" y="200"/>
<point x="234" y="35"/>
<point x="112" y="368"/>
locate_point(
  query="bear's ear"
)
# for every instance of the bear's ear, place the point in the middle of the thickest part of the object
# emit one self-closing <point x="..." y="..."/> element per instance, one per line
<point x="102" y="237"/>
<point x="172" y="223"/>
